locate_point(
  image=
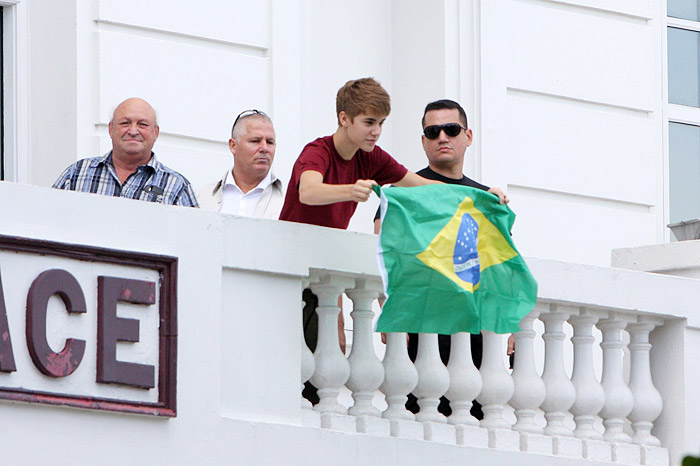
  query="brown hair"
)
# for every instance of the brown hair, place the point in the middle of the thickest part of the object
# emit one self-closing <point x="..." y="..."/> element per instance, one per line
<point x="364" y="95"/>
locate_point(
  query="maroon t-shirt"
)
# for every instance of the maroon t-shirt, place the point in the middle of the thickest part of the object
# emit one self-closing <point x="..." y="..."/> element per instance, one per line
<point x="321" y="156"/>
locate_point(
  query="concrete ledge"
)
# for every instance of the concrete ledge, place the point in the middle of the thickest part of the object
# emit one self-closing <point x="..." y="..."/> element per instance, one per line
<point x="341" y="422"/>
<point x="568" y="447"/>
<point x="373" y="425"/>
<point x="504" y="439"/>
<point x="406" y="429"/>
<point x="597" y="450"/>
<point x="626" y="453"/>
<point x="536" y="443"/>
<point x="472" y="436"/>
<point x="310" y="418"/>
<point x="654" y="456"/>
<point x="441" y="433"/>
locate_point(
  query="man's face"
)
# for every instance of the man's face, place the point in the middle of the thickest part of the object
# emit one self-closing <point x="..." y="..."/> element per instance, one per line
<point x="133" y="129"/>
<point x="444" y="151"/>
<point x="254" y="152"/>
<point x="364" y="130"/>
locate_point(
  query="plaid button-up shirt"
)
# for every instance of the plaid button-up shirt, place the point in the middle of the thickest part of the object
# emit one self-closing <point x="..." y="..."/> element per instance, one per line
<point x="152" y="182"/>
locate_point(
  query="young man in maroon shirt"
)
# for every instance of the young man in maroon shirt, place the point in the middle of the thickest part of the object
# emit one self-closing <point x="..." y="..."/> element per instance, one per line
<point x="334" y="173"/>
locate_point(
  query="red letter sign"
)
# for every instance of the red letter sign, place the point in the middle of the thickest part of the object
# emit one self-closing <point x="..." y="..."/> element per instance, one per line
<point x="49" y="283"/>
<point x="111" y="329"/>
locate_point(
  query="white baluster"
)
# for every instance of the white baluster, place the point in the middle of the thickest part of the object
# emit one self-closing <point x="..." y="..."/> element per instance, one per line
<point x="433" y="378"/>
<point x="465" y="380"/>
<point x="618" y="397"/>
<point x="400" y="377"/>
<point x="647" y="400"/>
<point x="307" y="359"/>
<point x="497" y="384"/>
<point x="307" y="369"/>
<point x="332" y="369"/>
<point x="560" y="392"/>
<point x="590" y="396"/>
<point x="529" y="389"/>
<point x="366" y="370"/>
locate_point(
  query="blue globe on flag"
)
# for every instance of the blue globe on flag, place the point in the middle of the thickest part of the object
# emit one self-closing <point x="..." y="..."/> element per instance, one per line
<point x="466" y="258"/>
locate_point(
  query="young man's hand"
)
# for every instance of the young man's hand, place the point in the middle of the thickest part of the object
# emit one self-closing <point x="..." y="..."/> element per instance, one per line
<point x="502" y="198"/>
<point x="362" y="189"/>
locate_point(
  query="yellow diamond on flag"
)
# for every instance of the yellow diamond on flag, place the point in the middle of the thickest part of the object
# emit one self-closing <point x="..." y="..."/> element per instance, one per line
<point x="466" y="246"/>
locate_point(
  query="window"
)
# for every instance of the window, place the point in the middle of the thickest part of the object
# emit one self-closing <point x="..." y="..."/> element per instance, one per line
<point x="683" y="109"/>
<point x="684" y="171"/>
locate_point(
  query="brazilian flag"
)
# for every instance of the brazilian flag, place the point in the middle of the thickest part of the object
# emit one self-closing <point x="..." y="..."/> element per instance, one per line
<point x="448" y="262"/>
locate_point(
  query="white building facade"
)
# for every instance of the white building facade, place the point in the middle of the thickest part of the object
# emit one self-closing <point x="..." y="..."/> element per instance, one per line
<point x="586" y="112"/>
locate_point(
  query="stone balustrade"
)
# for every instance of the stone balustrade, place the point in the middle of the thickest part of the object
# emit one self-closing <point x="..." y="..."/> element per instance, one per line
<point x="605" y="369"/>
<point x="575" y="413"/>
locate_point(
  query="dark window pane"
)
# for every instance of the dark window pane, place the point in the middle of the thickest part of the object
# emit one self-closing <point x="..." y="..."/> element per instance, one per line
<point x="684" y="171"/>
<point x="684" y="9"/>
<point x="683" y="67"/>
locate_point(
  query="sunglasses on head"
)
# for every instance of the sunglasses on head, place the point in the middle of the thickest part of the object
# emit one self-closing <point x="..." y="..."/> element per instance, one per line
<point x="451" y="129"/>
<point x="247" y="113"/>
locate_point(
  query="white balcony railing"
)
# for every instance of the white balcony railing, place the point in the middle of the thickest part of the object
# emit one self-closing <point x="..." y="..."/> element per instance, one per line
<point x="620" y="391"/>
<point x="608" y="417"/>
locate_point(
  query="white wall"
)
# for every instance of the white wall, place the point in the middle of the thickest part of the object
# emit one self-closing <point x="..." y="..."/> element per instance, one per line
<point x="572" y="125"/>
<point x="564" y="96"/>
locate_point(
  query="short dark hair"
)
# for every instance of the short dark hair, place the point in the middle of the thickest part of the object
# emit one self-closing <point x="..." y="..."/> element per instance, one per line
<point x="364" y="95"/>
<point x="445" y="104"/>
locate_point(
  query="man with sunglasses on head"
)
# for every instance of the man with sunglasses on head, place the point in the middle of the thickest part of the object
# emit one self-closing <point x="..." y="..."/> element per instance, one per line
<point x="249" y="189"/>
<point x="445" y="139"/>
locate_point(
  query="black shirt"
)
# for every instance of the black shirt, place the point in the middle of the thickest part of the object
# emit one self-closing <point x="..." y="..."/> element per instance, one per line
<point x="428" y="173"/>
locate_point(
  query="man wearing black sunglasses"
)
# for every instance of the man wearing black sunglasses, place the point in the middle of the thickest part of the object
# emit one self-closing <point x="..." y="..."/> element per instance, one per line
<point x="445" y="139"/>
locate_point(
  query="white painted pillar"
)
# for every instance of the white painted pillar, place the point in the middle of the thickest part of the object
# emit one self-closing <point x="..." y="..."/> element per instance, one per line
<point x="618" y="397"/>
<point x="307" y="369"/>
<point x="590" y="397"/>
<point x="647" y="400"/>
<point x="465" y="380"/>
<point x="332" y="369"/>
<point x="433" y="378"/>
<point x="560" y="390"/>
<point x="308" y="365"/>
<point x="366" y="370"/>
<point x="497" y="384"/>
<point x="400" y="377"/>
<point x="529" y="390"/>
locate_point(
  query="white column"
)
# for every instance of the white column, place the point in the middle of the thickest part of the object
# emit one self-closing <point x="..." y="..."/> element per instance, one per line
<point x="366" y="370"/>
<point x="529" y="389"/>
<point x="307" y="369"/>
<point x="400" y="377"/>
<point x="332" y="369"/>
<point x="618" y="397"/>
<point x="433" y="378"/>
<point x="560" y="390"/>
<point x="465" y="380"/>
<point x="647" y="400"/>
<point x="590" y="396"/>
<point x="497" y="384"/>
<point x="307" y="358"/>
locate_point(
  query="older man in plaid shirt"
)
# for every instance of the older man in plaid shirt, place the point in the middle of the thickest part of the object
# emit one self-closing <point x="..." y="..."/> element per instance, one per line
<point x="130" y="169"/>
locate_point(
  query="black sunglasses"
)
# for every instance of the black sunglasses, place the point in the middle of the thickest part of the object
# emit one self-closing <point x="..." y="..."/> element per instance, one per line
<point x="451" y="129"/>
<point x="245" y="114"/>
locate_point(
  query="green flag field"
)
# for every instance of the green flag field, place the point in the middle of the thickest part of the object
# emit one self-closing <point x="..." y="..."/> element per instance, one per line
<point x="448" y="262"/>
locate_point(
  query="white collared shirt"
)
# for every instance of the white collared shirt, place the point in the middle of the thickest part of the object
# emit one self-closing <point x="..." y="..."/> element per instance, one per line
<point x="236" y="202"/>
